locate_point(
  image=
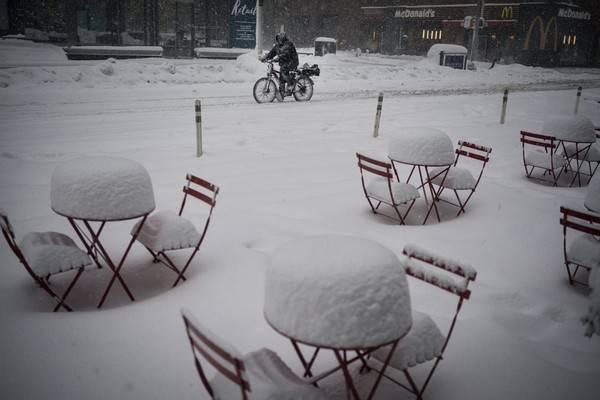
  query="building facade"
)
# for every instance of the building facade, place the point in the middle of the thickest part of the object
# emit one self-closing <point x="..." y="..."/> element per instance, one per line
<point x="532" y="32"/>
<point x="547" y="33"/>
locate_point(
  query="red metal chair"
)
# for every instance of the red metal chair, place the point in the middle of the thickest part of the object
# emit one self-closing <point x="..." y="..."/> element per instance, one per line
<point x="257" y="375"/>
<point x="165" y="230"/>
<point x="384" y="189"/>
<point x="584" y="250"/>
<point x="461" y="178"/>
<point x="547" y="159"/>
<point x="45" y="254"/>
<point x="425" y="341"/>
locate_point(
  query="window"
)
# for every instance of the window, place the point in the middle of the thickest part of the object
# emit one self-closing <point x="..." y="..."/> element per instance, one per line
<point x="431" y="34"/>
<point x="569" y="40"/>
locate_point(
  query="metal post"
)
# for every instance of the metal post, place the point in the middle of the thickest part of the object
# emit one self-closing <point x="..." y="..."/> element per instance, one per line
<point x="259" y="25"/>
<point x="578" y="99"/>
<point x="378" y="115"/>
<point x="198" y="129"/>
<point x="504" y="103"/>
<point x="475" y="41"/>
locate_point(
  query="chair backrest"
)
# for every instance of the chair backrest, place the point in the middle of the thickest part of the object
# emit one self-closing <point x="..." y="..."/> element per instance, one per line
<point x="580" y="221"/>
<point x="422" y="264"/>
<point x="377" y="167"/>
<point x="537" y="139"/>
<point x="9" y="235"/>
<point x="221" y="356"/>
<point x="200" y="189"/>
<point x="475" y="152"/>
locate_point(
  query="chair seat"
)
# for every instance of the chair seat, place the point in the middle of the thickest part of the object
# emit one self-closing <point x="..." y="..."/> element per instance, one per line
<point x="585" y="250"/>
<point x="423" y="342"/>
<point x="593" y="154"/>
<point x="457" y="178"/>
<point x="541" y="159"/>
<point x="165" y="230"/>
<point x="49" y="253"/>
<point x="402" y="192"/>
<point x="269" y="378"/>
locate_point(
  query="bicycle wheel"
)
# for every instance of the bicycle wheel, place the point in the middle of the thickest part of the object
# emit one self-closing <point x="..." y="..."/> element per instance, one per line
<point x="264" y="90"/>
<point x="303" y="90"/>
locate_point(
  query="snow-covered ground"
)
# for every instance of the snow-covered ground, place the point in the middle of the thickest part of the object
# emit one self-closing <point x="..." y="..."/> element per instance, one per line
<point x="286" y="170"/>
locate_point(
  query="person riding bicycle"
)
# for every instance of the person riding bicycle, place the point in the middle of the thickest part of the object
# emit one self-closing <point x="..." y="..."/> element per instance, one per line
<point x="285" y="52"/>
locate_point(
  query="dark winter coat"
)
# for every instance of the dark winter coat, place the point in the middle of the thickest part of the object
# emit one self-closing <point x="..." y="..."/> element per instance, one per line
<point x="286" y="51"/>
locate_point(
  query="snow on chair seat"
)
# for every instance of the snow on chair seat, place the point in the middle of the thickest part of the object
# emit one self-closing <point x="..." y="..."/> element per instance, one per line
<point x="425" y="341"/>
<point x="584" y="250"/>
<point x="44" y="254"/>
<point x="49" y="253"/>
<point x="541" y="159"/>
<point x="167" y="231"/>
<point x="457" y="178"/>
<point x="260" y="375"/>
<point x="400" y="192"/>
<point x="383" y="188"/>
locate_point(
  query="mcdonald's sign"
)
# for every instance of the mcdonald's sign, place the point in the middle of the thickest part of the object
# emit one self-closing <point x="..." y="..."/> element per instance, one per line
<point x="507" y="13"/>
<point x="544" y="30"/>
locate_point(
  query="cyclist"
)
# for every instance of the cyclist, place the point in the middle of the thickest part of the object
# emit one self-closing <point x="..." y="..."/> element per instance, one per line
<point x="285" y="52"/>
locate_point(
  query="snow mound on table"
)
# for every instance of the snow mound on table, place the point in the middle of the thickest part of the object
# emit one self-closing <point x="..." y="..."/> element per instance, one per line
<point x="573" y="128"/>
<point x="423" y="146"/>
<point x="101" y="188"/>
<point x="337" y="290"/>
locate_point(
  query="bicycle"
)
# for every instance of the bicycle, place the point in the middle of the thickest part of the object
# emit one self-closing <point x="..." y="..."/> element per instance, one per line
<point x="266" y="89"/>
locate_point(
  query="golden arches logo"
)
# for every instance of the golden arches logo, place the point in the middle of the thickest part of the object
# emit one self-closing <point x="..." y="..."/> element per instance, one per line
<point x="543" y="33"/>
<point x="507" y="12"/>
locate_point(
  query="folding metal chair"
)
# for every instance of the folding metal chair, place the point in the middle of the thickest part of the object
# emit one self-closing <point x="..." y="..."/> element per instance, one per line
<point x="584" y="250"/>
<point x="384" y="189"/>
<point x="461" y="178"/>
<point x="547" y="159"/>
<point x="259" y="375"/>
<point x="425" y="341"/>
<point x="44" y="254"/>
<point x="166" y="231"/>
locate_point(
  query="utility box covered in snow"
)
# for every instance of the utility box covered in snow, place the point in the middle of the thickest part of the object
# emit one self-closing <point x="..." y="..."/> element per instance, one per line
<point x="325" y="45"/>
<point x="449" y="55"/>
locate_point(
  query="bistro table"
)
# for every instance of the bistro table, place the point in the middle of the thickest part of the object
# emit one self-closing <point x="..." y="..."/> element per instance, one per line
<point x="429" y="152"/>
<point x="338" y="293"/>
<point x="99" y="190"/>
<point x="575" y="136"/>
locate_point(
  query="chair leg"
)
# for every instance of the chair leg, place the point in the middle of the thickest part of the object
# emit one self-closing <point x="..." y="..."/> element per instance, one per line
<point x="67" y="292"/>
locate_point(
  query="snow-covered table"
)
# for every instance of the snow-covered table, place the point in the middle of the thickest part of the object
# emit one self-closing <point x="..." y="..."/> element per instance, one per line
<point x="575" y="136"/>
<point x="101" y="190"/>
<point x="425" y="150"/>
<point x="338" y="293"/>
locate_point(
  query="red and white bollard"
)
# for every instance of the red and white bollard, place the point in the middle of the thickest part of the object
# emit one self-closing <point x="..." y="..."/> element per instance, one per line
<point x="198" y="129"/>
<point x="504" y="104"/>
<point x="578" y="99"/>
